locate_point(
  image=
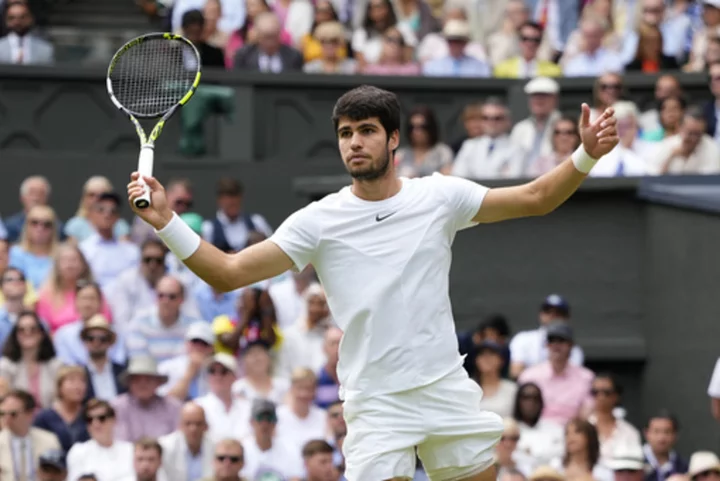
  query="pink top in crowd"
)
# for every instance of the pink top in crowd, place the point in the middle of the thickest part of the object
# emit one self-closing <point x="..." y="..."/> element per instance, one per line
<point x="65" y="314"/>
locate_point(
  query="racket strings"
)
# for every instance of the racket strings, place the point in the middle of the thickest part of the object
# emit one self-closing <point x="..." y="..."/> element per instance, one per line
<point x="152" y="76"/>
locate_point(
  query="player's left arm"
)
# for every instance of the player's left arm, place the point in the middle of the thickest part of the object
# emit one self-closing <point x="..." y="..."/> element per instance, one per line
<point x="546" y="193"/>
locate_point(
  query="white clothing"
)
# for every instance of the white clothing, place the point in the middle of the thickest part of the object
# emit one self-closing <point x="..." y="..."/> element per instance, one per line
<point x="23" y="448"/>
<point x="302" y="347"/>
<point x="288" y="302"/>
<point x="599" y="472"/>
<point x="705" y="159"/>
<point x="530" y="348"/>
<point x="108" y="464"/>
<point x="236" y="231"/>
<point x="385" y="266"/>
<point x="299" y="431"/>
<point x="624" y="434"/>
<point x="283" y="459"/>
<point x="487" y="158"/>
<point x="541" y="444"/>
<point x="714" y="387"/>
<point x="371" y="45"/>
<point x="280" y="386"/>
<point x="176" y="452"/>
<point x="175" y="369"/>
<point x="610" y="165"/>
<point x="503" y="401"/>
<point x="222" y="423"/>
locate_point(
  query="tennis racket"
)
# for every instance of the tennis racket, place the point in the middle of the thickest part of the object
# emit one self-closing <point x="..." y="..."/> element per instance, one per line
<point x="150" y="77"/>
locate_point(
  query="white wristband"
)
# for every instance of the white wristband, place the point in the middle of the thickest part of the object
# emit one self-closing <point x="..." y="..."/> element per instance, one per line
<point x="582" y="160"/>
<point x="179" y="237"/>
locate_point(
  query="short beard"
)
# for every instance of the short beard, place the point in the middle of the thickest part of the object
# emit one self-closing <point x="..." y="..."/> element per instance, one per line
<point x="372" y="173"/>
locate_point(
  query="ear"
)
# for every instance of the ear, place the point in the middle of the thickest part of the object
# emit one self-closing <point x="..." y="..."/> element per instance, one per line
<point x="394" y="140"/>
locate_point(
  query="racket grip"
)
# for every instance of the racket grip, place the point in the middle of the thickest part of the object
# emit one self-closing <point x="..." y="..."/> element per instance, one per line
<point x="145" y="168"/>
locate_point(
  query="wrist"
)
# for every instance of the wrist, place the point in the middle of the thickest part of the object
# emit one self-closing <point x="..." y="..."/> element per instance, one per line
<point x="582" y="160"/>
<point x="179" y="237"/>
<point x="165" y="218"/>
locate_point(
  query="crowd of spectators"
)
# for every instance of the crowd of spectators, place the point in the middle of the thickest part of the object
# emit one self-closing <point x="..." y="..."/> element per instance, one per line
<point x="119" y="364"/>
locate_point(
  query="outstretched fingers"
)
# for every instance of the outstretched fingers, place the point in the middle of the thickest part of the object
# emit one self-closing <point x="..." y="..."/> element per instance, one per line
<point x="604" y="120"/>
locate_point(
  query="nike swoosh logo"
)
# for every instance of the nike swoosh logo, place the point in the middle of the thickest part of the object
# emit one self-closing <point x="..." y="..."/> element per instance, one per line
<point x="379" y="218"/>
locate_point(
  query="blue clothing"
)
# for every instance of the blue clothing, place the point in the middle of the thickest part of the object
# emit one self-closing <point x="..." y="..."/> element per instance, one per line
<point x="36" y="269"/>
<point x="68" y="434"/>
<point x="80" y="228"/>
<point x="456" y="67"/>
<point x="328" y="391"/>
<point x="211" y="306"/>
<point x="69" y="348"/>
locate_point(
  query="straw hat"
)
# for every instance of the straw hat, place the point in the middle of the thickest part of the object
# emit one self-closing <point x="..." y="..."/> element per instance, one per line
<point x="703" y="461"/>
<point x="98" y="321"/>
<point x="143" y="366"/>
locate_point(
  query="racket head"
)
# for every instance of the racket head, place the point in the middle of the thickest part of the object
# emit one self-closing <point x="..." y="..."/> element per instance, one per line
<point x="151" y="75"/>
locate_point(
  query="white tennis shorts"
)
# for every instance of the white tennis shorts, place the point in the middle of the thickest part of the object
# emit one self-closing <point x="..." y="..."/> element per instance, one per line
<point x="443" y="420"/>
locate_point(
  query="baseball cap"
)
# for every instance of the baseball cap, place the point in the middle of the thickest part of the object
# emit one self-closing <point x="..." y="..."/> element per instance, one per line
<point x="542" y="85"/>
<point x="193" y="220"/>
<point x="628" y="457"/>
<point x="225" y="360"/>
<point x="560" y="330"/>
<point x="263" y="409"/>
<point x="712" y="3"/>
<point x="555" y="301"/>
<point x="201" y="331"/>
<point x="53" y="458"/>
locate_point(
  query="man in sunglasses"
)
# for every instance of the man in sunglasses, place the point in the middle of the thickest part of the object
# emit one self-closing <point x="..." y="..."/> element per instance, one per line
<point x="229" y="461"/>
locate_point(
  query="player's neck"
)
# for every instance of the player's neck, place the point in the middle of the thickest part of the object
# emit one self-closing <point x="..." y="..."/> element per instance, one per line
<point x="378" y="189"/>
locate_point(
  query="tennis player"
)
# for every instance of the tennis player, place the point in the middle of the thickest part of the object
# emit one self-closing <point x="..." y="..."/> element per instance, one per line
<point x="382" y="250"/>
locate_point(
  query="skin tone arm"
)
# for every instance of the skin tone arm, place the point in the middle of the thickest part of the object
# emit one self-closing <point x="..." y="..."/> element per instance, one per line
<point x="546" y="193"/>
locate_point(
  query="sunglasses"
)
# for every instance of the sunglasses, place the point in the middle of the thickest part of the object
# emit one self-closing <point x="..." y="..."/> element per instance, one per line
<point x="184" y="203"/>
<point x="101" y="418"/>
<point x="28" y="329"/>
<point x="106" y="210"/>
<point x="335" y="415"/>
<point x="45" y="224"/>
<point x="554" y="340"/>
<point x="530" y="39"/>
<point x="226" y="457"/>
<point x="153" y="260"/>
<point x="564" y="132"/>
<point x="167" y="295"/>
<point x="605" y="392"/>
<point x="493" y="118"/>
<point x="418" y="127"/>
<point x="13" y="279"/>
<point x="266" y="417"/>
<point x="100" y="338"/>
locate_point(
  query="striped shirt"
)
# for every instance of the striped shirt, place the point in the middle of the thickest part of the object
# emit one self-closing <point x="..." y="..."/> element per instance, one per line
<point x="148" y="336"/>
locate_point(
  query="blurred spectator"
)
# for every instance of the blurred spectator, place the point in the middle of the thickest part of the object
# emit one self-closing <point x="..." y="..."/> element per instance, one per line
<point x="671" y="112"/>
<point x="674" y="24"/>
<point x="258" y="381"/>
<point x="492" y="155"/>
<point x="57" y="304"/>
<point x="303" y="341"/>
<point x="505" y="449"/>
<point x="33" y="254"/>
<point x="649" y="57"/>
<point x="268" y="54"/>
<point x="504" y="44"/>
<point x="527" y="64"/>
<point x="69" y="342"/>
<point x="665" y="86"/>
<point x="498" y="394"/>
<point x="712" y="53"/>
<point x="232" y="14"/>
<point x="546" y="473"/>
<point x="286" y="296"/>
<point x="332" y="57"/>
<point x="493" y="328"/>
<point x="565" y="387"/>
<point x="52" y="466"/>
<point x="268" y="454"/>
<point x="104" y="375"/>
<point x="417" y="16"/>
<point x="565" y="140"/>
<point x="310" y="45"/>
<point x="295" y="16"/>
<point x="541" y="441"/>
<point x="456" y="63"/>
<point x="712" y="108"/>
<point x="103" y="455"/>
<point x="188" y="452"/>
<point x="180" y="199"/>
<point x="512" y="474"/>
<point x="108" y="255"/>
<point x="628" y="462"/>
<point x="29" y="296"/>
<point x="193" y="28"/>
<point x="336" y="427"/>
<point x="34" y="190"/>
<point x="613" y="430"/>
<point x="20" y="443"/>
<point x="534" y="133"/>
<point x="704" y="465"/>
<point x="472" y="124"/>
<point x="299" y="420"/>
<point x="713" y="391"/>
<point x="140" y="411"/>
<point x="255" y="322"/>
<point x="79" y="228"/>
<point x="701" y="37"/>
<point x="65" y="417"/>
<point x="187" y="374"/>
<point x="660" y="455"/>
<point x="229" y="461"/>
<point x="434" y="45"/>
<point x="529" y="348"/>
<point x="28" y="359"/>
<point x="426" y="153"/>
<point x="246" y="34"/>
<point x="147" y="461"/>
<point x="395" y="59"/>
<point x="559" y="19"/>
<point x="582" y="452"/>
<point x="627" y="158"/>
<point x="213" y="303"/>
<point x="3" y="231"/>
<point x="692" y="151"/>
<point x="485" y="18"/>
<point x="160" y="331"/>
<point x="13" y="288"/>
<point x="22" y="45"/>
<point x="227" y="416"/>
<point x="231" y="227"/>
<point x="212" y="34"/>
<point x="607" y="90"/>
<point x="367" y="40"/>
<point x="593" y="59"/>
<point x="606" y="13"/>
<point x="318" y="457"/>
<point x="328" y="389"/>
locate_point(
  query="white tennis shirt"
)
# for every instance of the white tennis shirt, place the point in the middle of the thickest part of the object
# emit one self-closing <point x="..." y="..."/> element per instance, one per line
<point x="385" y="267"/>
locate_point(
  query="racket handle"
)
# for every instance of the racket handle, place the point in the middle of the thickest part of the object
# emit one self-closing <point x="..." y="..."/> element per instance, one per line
<point x="145" y="168"/>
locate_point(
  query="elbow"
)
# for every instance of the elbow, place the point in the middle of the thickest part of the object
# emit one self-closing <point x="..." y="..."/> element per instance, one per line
<point x="539" y="202"/>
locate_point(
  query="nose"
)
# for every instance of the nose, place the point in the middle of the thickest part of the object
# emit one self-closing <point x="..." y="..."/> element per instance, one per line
<point x="356" y="141"/>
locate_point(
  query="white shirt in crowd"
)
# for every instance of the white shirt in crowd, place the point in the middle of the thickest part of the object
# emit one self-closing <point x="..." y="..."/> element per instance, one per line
<point x="704" y="160"/>
<point x="530" y="348"/>
<point x="103" y="382"/>
<point x="23" y="448"/>
<point x="488" y="158"/>
<point x="109" y="258"/>
<point x="222" y="423"/>
<point x="385" y="267"/>
<point x="175" y="369"/>
<point x="624" y="434"/>
<point x="282" y="458"/>
<point x="502" y="401"/>
<point x="602" y="61"/>
<point x="302" y="347"/>
<point x="288" y="302"/>
<point x="299" y="431"/>
<point x="619" y="162"/>
<point x="107" y="464"/>
<point x="541" y="444"/>
<point x="243" y="389"/>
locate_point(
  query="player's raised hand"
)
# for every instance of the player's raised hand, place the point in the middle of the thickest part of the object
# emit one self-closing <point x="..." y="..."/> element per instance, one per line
<point x="158" y="214"/>
<point x="600" y="136"/>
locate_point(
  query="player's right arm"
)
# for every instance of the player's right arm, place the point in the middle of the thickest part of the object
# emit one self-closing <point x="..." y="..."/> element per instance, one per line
<point x="224" y="272"/>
